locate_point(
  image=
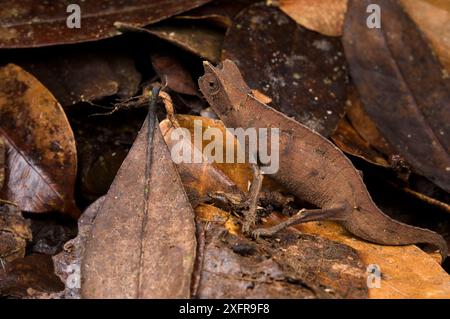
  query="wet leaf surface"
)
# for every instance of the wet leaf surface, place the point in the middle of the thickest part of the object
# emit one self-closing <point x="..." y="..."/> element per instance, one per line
<point x="323" y="16"/>
<point x="15" y="233"/>
<point x="304" y="74"/>
<point x="27" y="23"/>
<point x="288" y="266"/>
<point x="41" y="156"/>
<point x="29" y="277"/>
<point x="409" y="105"/>
<point x="139" y="252"/>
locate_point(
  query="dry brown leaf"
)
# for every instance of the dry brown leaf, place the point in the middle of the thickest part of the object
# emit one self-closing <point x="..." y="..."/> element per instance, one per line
<point x="234" y="266"/>
<point x="409" y="104"/>
<point x="407" y="272"/>
<point x="323" y="16"/>
<point x="348" y="140"/>
<point x="261" y="97"/>
<point x="142" y="244"/>
<point x="238" y="173"/>
<point x="41" y="154"/>
<point x="199" y="179"/>
<point x="28" y="23"/>
<point x="174" y="73"/>
<point x="433" y="18"/>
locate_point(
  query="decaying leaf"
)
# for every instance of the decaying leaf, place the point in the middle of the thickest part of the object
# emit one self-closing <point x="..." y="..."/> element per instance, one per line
<point x="433" y="19"/>
<point x="220" y="12"/>
<point x="406" y="272"/>
<point x="68" y="262"/>
<point x="349" y="141"/>
<point x="15" y="233"/>
<point x="142" y="244"/>
<point x="323" y="16"/>
<point x="304" y="73"/>
<point x="29" y="277"/>
<point x="289" y="266"/>
<point x="310" y="167"/>
<point x="199" y="179"/>
<point x="41" y="156"/>
<point x="83" y="73"/>
<point x="27" y="23"/>
<point x="193" y="36"/>
<point x="410" y="105"/>
<point x="102" y="144"/>
<point x="364" y="125"/>
<point x="170" y="70"/>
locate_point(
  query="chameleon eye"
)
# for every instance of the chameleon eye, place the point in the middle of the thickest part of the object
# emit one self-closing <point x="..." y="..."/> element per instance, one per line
<point x="212" y="84"/>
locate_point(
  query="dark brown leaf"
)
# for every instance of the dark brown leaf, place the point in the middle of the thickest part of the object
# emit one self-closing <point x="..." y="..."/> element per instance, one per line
<point x="134" y="252"/>
<point x="348" y="140"/>
<point x="41" y="156"/>
<point x="83" y="73"/>
<point x="304" y="73"/>
<point x="171" y="70"/>
<point x="27" y="23"/>
<point x="410" y="105"/>
<point x="15" y="233"/>
<point x="221" y="12"/>
<point x="29" y="277"/>
<point x="194" y="36"/>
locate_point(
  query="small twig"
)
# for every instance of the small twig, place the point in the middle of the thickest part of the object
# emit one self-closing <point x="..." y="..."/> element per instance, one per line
<point x="255" y="188"/>
<point x="7" y="202"/>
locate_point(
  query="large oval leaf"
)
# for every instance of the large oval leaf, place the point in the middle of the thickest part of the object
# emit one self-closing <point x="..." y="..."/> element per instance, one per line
<point x="41" y="161"/>
<point x="410" y="105"/>
<point x="142" y="243"/>
<point x="29" y="23"/>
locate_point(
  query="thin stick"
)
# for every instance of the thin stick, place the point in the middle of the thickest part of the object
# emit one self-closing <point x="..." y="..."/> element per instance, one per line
<point x="255" y="188"/>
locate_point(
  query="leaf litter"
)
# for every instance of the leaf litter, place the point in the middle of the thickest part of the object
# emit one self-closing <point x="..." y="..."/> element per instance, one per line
<point x="215" y="256"/>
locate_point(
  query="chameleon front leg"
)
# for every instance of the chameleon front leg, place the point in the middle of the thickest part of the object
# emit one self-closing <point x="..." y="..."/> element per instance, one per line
<point x="303" y="216"/>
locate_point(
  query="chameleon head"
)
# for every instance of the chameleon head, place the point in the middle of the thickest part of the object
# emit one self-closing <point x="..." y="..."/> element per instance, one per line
<point x="223" y="86"/>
